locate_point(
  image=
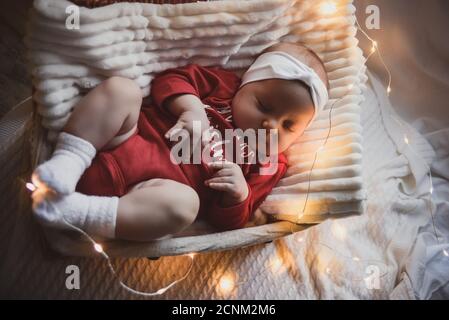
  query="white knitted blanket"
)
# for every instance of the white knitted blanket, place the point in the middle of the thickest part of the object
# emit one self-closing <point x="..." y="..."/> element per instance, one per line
<point x="139" y="40"/>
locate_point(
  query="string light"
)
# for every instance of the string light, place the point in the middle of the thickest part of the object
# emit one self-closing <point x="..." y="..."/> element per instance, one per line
<point x="298" y="237"/>
<point x="276" y="264"/>
<point x="328" y="8"/>
<point x="191" y="255"/>
<point x="36" y="187"/>
<point x="226" y="285"/>
<point x="98" y="247"/>
<point x="429" y="170"/>
<point x="30" y="186"/>
<point x="375" y="48"/>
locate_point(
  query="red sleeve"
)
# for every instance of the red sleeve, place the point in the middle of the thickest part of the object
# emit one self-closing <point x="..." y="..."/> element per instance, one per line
<point x="259" y="187"/>
<point x="190" y="79"/>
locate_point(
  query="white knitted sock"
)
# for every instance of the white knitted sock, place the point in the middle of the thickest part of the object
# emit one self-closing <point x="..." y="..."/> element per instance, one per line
<point x="71" y="158"/>
<point x="95" y="215"/>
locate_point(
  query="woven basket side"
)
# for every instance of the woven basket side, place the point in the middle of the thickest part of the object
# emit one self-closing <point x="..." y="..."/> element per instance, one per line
<point x="101" y="3"/>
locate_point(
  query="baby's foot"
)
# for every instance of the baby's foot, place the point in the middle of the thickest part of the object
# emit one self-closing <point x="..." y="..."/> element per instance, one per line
<point x="71" y="158"/>
<point x="55" y="210"/>
<point x="95" y="215"/>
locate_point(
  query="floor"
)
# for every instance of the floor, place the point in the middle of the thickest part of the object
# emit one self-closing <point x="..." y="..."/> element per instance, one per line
<point x="15" y="82"/>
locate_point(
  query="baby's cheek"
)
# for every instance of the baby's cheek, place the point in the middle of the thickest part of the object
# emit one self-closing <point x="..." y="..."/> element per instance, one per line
<point x="285" y="141"/>
<point x="242" y="119"/>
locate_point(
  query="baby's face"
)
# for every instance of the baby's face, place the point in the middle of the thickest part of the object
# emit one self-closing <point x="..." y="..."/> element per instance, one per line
<point x="285" y="105"/>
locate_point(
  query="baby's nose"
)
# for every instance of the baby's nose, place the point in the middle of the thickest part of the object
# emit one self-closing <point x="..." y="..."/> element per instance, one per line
<point x="269" y="124"/>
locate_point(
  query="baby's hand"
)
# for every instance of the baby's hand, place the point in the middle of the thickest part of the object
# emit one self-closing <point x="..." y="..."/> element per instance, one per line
<point x="185" y="121"/>
<point x="229" y="179"/>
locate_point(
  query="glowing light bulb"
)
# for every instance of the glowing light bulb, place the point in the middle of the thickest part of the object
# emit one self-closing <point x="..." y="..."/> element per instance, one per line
<point x="374" y="47"/>
<point x="276" y="264"/>
<point x="98" y="247"/>
<point x="30" y="186"/>
<point x="328" y="8"/>
<point x="191" y="255"/>
<point x="388" y="89"/>
<point x="226" y="284"/>
<point x="161" y="291"/>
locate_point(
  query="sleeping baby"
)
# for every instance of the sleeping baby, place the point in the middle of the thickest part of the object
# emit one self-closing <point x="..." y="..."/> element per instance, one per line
<point x="113" y="172"/>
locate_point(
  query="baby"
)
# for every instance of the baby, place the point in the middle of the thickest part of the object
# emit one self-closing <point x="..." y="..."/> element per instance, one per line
<point x="112" y="173"/>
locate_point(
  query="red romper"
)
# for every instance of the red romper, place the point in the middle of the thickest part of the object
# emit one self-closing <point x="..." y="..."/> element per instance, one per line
<point x="146" y="154"/>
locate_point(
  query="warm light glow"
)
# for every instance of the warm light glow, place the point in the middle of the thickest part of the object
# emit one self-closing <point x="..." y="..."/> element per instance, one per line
<point x="388" y="89"/>
<point x="226" y="284"/>
<point x="374" y="47"/>
<point x="161" y="290"/>
<point x="406" y="140"/>
<point x="328" y="8"/>
<point x="191" y="255"/>
<point x="328" y="270"/>
<point x="98" y="247"/>
<point x="37" y="184"/>
<point x="276" y="264"/>
<point x="30" y="186"/>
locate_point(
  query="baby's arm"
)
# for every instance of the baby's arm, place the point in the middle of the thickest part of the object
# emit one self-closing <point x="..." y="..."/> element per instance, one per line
<point x="187" y="108"/>
<point x="180" y="90"/>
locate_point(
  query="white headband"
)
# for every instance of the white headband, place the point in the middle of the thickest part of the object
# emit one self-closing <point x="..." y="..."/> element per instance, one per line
<point x="281" y="65"/>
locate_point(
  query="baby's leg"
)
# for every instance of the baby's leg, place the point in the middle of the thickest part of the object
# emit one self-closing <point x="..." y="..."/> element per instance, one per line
<point x="109" y="110"/>
<point x="156" y="208"/>
<point x="104" y="118"/>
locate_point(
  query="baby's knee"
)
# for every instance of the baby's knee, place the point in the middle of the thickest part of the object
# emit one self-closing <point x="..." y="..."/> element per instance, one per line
<point x="184" y="204"/>
<point x="122" y="89"/>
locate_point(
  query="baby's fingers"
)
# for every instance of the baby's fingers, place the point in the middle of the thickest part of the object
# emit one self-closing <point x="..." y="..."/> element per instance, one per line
<point x="206" y="137"/>
<point x="221" y="186"/>
<point x="217" y="165"/>
<point x="218" y="180"/>
<point x="173" y="130"/>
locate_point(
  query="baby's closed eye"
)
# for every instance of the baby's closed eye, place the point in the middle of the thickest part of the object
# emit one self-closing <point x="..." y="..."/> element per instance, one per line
<point x="289" y="125"/>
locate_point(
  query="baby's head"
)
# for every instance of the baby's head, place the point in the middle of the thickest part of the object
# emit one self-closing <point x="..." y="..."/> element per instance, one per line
<point x="273" y="98"/>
